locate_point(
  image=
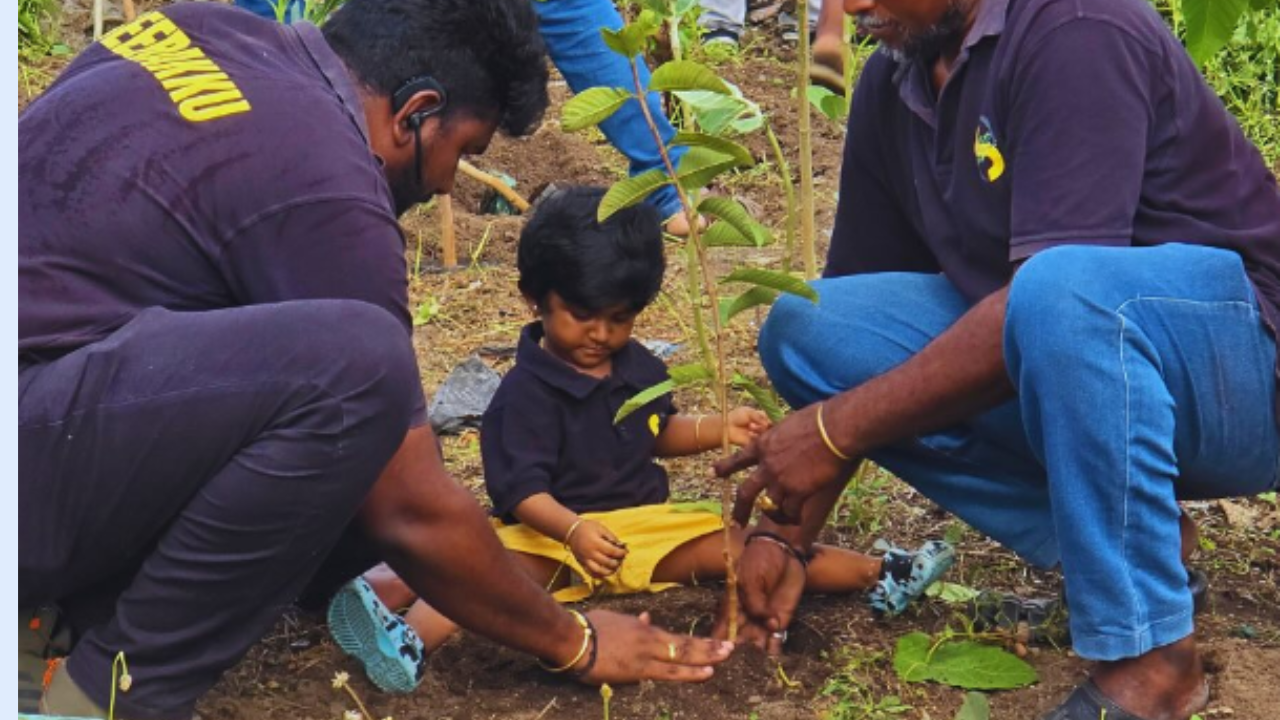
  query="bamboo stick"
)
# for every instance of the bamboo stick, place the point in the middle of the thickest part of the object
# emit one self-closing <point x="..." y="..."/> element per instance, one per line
<point x="496" y="183"/>
<point x="448" y="241"/>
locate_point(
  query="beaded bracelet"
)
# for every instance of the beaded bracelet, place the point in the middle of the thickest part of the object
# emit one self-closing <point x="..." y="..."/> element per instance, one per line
<point x="781" y="542"/>
<point x="588" y="632"/>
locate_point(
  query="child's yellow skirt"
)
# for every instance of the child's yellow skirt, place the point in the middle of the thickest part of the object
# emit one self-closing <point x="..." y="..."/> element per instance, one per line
<point x="650" y="532"/>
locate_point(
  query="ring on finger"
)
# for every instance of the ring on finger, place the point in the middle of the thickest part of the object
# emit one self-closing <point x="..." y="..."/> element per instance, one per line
<point x="780" y="636"/>
<point x="672" y="652"/>
<point x="764" y="503"/>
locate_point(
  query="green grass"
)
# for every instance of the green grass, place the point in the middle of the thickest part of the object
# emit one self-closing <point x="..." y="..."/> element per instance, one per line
<point x="36" y="29"/>
<point x="1246" y="75"/>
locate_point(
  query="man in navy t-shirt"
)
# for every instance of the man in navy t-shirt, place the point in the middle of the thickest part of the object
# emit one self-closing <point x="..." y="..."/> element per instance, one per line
<point x="214" y="353"/>
<point x="1050" y="305"/>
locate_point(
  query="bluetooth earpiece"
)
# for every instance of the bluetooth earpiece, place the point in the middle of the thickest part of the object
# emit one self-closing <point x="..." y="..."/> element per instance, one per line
<point x="402" y="96"/>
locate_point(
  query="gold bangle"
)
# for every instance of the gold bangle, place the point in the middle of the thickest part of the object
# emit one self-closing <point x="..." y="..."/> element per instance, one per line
<point x="822" y="430"/>
<point x="587" y="632"/>
<point x="572" y="529"/>
<point x="697" y="432"/>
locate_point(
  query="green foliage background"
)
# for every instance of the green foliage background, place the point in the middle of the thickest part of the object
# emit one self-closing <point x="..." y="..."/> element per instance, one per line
<point x="1245" y="68"/>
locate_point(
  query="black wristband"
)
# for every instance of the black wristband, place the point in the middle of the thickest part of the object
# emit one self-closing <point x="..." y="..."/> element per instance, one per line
<point x="592" y="654"/>
<point x="782" y="542"/>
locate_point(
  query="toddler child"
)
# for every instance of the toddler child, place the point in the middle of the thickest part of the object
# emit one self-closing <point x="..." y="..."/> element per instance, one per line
<point x="578" y="497"/>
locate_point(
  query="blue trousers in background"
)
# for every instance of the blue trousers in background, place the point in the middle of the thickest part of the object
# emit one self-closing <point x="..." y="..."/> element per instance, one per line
<point x="571" y="31"/>
<point x="1144" y="376"/>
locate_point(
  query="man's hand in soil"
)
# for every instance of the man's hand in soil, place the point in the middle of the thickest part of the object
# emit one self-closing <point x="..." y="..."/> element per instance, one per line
<point x="631" y="649"/>
<point x="597" y="549"/>
<point x="770" y="582"/>
<point x="791" y="464"/>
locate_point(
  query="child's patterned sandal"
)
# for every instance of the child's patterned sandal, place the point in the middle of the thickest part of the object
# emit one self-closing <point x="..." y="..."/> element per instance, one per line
<point x="906" y="574"/>
<point x="391" y="652"/>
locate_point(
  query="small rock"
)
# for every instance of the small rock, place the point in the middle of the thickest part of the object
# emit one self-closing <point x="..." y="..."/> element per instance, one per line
<point x="755" y="700"/>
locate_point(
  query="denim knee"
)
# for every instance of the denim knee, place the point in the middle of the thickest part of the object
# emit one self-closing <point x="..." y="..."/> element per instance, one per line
<point x="1047" y="304"/>
<point x="782" y="337"/>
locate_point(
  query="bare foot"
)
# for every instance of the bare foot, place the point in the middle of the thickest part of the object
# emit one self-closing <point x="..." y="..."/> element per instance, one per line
<point x="1167" y="683"/>
<point x="678" y="225"/>
<point x="1190" y="537"/>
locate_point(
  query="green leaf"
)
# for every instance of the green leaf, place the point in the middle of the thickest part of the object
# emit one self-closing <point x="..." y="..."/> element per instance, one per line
<point x="642" y="398"/>
<point x="626" y="193"/>
<point x="592" y="107"/>
<point x="951" y="592"/>
<point x="631" y="40"/>
<point x="754" y="297"/>
<point x="779" y="281"/>
<point x="719" y="144"/>
<point x="690" y="374"/>
<point x="716" y="113"/>
<point x="1209" y="25"/>
<point x="701" y="165"/>
<point x="827" y="102"/>
<point x="687" y="75"/>
<point x="732" y="212"/>
<point x="722" y="234"/>
<point x="764" y="399"/>
<point x="975" y="707"/>
<point x="962" y="663"/>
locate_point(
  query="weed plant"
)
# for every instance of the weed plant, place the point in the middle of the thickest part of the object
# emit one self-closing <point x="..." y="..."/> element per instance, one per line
<point x="36" y="30"/>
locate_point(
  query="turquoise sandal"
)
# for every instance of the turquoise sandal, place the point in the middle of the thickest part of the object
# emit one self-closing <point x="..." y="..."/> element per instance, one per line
<point x="906" y="574"/>
<point x="391" y="652"/>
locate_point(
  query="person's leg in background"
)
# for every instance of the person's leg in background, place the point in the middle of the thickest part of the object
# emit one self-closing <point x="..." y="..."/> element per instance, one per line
<point x="294" y="10"/>
<point x="215" y="457"/>
<point x="723" y="21"/>
<point x="827" y="69"/>
<point x="571" y="31"/>
<point x="1144" y="375"/>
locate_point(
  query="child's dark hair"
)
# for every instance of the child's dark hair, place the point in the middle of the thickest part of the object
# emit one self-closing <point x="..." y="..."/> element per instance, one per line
<point x="591" y="265"/>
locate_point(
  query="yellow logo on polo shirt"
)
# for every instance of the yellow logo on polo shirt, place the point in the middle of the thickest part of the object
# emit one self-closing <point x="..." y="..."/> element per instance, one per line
<point x="653" y="425"/>
<point x="990" y="161"/>
<point x="197" y="86"/>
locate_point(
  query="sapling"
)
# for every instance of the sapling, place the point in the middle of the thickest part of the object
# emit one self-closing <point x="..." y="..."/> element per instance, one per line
<point x="806" y="145"/>
<point x="708" y="157"/>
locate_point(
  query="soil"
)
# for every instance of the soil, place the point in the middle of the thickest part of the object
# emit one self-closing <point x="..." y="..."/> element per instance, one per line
<point x="838" y="661"/>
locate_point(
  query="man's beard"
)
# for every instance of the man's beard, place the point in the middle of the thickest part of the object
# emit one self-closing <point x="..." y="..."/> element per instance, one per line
<point x="930" y="42"/>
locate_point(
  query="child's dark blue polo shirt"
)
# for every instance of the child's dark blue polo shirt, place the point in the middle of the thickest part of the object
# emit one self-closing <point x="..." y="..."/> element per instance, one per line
<point x="1063" y="122"/>
<point x="549" y="429"/>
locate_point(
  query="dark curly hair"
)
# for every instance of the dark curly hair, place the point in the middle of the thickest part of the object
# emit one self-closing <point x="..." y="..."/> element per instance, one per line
<point x="486" y="54"/>
<point x="594" y="266"/>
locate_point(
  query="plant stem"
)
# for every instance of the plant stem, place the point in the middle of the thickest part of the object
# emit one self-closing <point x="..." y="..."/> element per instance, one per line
<point x="721" y="367"/>
<point x="806" y="145"/>
<point x="789" y="187"/>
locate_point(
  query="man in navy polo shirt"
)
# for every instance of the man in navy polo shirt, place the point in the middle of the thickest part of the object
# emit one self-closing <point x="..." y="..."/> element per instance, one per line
<point x="1050" y="305"/>
<point x="217" y="380"/>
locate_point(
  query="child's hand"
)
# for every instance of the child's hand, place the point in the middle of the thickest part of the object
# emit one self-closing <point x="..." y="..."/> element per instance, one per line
<point x="746" y="424"/>
<point x="598" y="551"/>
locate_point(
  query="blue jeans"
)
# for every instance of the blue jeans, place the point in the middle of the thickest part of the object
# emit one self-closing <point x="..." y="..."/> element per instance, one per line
<point x="1144" y="376"/>
<point x="571" y="31"/>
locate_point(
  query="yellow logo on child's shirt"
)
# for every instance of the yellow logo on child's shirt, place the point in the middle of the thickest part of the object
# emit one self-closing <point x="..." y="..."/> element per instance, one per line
<point x="653" y="424"/>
